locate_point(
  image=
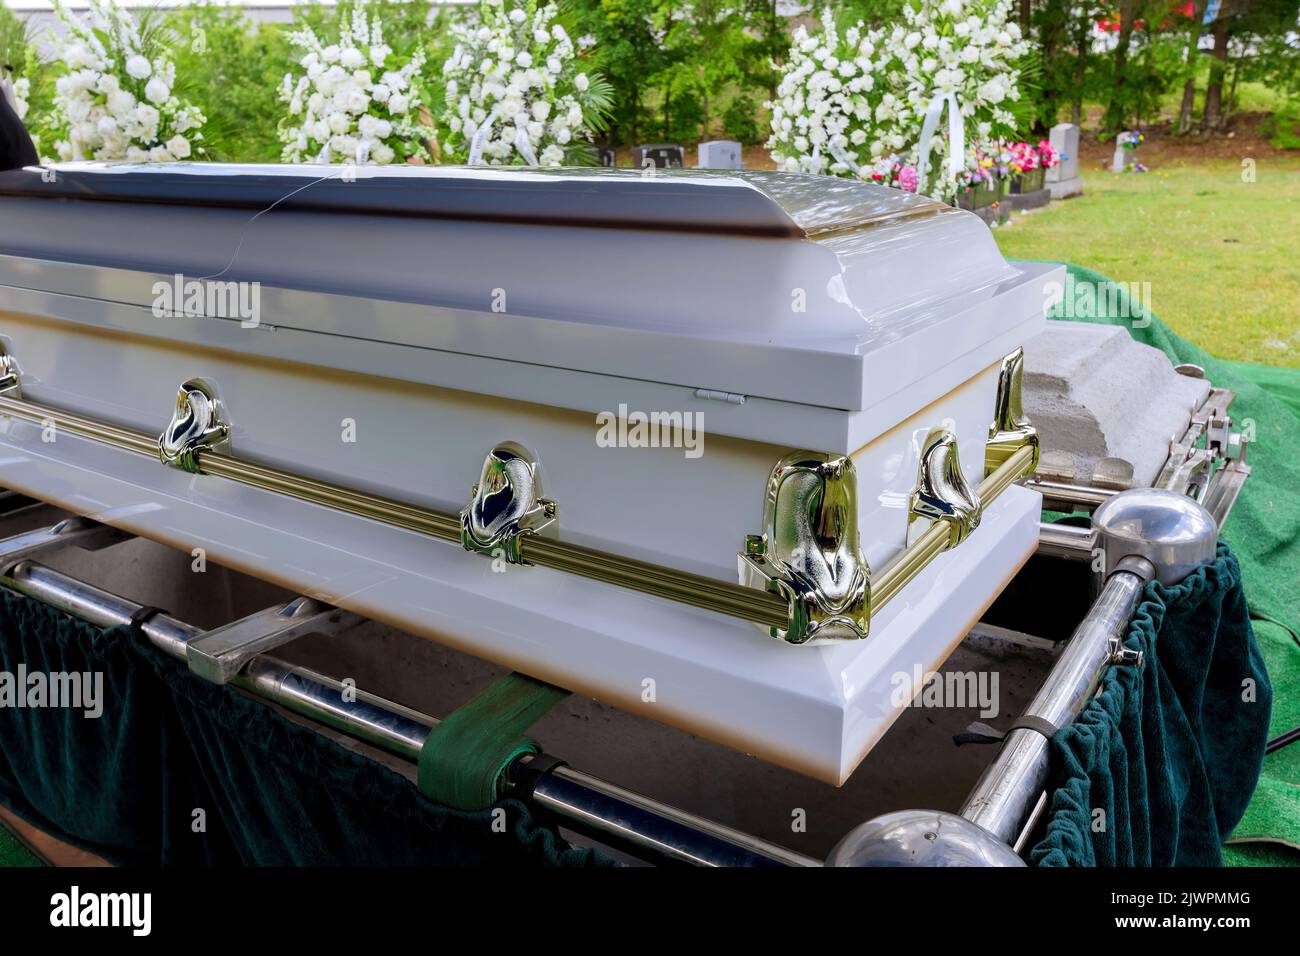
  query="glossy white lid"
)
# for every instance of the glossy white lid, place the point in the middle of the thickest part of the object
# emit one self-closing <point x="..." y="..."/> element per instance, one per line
<point x="795" y="289"/>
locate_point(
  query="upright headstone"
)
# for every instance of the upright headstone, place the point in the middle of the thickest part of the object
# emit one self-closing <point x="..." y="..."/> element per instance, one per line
<point x="659" y="155"/>
<point x="1063" y="180"/>
<point x="606" y="156"/>
<point x="720" y="154"/>
<point x="1122" y="158"/>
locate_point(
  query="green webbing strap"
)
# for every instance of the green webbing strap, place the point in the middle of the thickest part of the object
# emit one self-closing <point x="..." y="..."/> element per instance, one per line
<point x="464" y="759"/>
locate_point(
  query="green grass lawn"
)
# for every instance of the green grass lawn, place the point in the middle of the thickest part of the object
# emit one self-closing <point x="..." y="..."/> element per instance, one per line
<point x="1222" y="255"/>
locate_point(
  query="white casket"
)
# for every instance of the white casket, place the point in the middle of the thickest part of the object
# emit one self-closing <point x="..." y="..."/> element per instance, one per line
<point x="738" y="449"/>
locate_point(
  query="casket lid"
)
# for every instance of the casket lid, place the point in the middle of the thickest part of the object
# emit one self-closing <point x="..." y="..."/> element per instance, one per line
<point x="796" y="289"/>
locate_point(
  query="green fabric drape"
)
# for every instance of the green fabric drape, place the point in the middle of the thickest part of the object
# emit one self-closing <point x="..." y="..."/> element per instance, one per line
<point x="1160" y="766"/>
<point x="171" y="750"/>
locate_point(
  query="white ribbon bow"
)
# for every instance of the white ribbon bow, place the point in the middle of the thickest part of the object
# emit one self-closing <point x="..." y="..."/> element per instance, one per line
<point x="956" y="136"/>
<point x="480" y="139"/>
<point x="525" y="147"/>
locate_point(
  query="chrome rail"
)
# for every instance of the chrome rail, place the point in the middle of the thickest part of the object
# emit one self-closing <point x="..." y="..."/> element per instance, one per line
<point x="645" y="827"/>
<point x="1003" y="800"/>
<point x="1145" y="534"/>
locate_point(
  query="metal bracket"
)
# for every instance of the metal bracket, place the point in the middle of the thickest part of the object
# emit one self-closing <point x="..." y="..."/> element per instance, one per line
<point x="507" y="505"/>
<point x="197" y="423"/>
<point x="809" y="551"/>
<point x="82" y="532"/>
<point x="219" y="655"/>
<point x="1117" y="653"/>
<point x="942" y="492"/>
<point x="1011" y="429"/>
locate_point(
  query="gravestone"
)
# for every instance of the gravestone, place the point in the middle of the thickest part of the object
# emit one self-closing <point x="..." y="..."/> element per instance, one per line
<point x="1063" y="180"/>
<point x="1123" y="157"/>
<point x="659" y="155"/>
<point x="606" y="156"/>
<point x="720" y="154"/>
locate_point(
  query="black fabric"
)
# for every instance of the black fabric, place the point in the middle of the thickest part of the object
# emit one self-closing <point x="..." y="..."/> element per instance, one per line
<point x="16" y="147"/>
<point x="127" y="785"/>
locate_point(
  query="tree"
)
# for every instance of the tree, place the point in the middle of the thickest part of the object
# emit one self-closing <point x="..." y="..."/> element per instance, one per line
<point x="1218" y="68"/>
<point x="629" y="52"/>
<point x="1193" y="52"/>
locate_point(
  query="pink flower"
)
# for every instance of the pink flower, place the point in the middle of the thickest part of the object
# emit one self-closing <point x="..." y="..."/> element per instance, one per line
<point x="907" y="179"/>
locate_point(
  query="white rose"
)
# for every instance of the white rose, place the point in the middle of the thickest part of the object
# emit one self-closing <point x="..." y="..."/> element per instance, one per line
<point x="351" y="58"/>
<point x="160" y="154"/>
<point x="179" y="146"/>
<point x="146" y="116"/>
<point x="383" y="153"/>
<point x="380" y="93"/>
<point x="524" y="59"/>
<point x="330" y="54"/>
<point x="134" y="154"/>
<point x="398" y="103"/>
<point x="121" y="102"/>
<point x="156" y="90"/>
<point x="378" y="54"/>
<point x="581" y="82"/>
<point x="138" y="67"/>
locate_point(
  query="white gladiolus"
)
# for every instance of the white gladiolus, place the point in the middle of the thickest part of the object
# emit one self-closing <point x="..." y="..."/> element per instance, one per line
<point x="116" y="101"/>
<point x="340" y="113"/>
<point x="526" y="78"/>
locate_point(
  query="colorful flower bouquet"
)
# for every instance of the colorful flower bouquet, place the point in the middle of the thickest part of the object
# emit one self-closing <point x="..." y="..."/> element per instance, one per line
<point x="981" y="182"/>
<point x="1029" y="165"/>
<point x="893" y="172"/>
<point x="1128" y="142"/>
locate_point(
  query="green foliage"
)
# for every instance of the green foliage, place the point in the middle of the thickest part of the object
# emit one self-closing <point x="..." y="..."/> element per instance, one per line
<point x="740" y="121"/>
<point x="234" y="67"/>
<point x="672" y="63"/>
<point x="628" y="52"/>
<point x="1283" y="127"/>
<point x="19" y="53"/>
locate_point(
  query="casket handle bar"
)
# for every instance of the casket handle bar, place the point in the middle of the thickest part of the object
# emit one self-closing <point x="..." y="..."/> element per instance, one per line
<point x="197" y="423"/>
<point x="507" y="506"/>
<point x="10" y="384"/>
<point x="513" y="519"/>
<point x="1011" y="430"/>
<point x="942" y="493"/>
<point x="809" y="552"/>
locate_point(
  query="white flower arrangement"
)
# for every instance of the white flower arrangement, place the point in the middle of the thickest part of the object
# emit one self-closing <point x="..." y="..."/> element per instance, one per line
<point x="847" y="105"/>
<point x="115" y="99"/>
<point x="357" y="101"/>
<point x="516" y="91"/>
